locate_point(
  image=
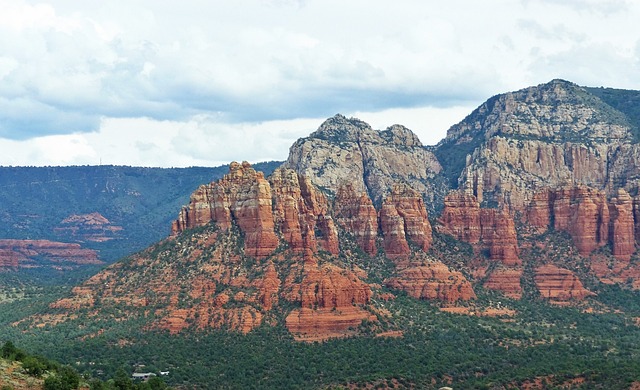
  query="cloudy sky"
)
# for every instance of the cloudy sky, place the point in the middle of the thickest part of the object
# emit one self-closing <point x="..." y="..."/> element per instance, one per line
<point x="202" y="82"/>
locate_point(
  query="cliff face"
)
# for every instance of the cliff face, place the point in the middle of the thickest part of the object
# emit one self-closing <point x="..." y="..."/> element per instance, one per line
<point x="493" y="229"/>
<point x="403" y="219"/>
<point x="588" y="217"/>
<point x="355" y="214"/>
<point x="432" y="280"/>
<point x="349" y="151"/>
<point x="243" y="196"/>
<point x="558" y="284"/>
<point x="299" y="210"/>
<point x="545" y="136"/>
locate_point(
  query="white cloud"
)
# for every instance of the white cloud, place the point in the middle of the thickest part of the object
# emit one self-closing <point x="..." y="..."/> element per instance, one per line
<point x="207" y="70"/>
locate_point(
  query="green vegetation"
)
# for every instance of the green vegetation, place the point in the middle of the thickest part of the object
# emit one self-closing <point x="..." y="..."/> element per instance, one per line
<point x="63" y="377"/>
<point x="473" y="352"/>
<point x="625" y="101"/>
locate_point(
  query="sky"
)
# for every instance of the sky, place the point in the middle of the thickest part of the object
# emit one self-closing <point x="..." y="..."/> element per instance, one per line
<point x="205" y="82"/>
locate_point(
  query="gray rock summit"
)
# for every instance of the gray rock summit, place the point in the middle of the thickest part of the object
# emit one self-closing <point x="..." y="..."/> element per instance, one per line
<point x="347" y="150"/>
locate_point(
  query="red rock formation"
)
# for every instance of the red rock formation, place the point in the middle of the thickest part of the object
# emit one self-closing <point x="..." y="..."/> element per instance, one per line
<point x="28" y="253"/>
<point x="506" y="280"/>
<point x="584" y="213"/>
<point x="321" y="324"/>
<point x="403" y="216"/>
<point x="500" y="232"/>
<point x="243" y="195"/>
<point x="268" y="287"/>
<point x="636" y="217"/>
<point x="88" y="227"/>
<point x="356" y="214"/>
<point x="559" y="284"/>
<point x="538" y="213"/>
<point x="461" y="217"/>
<point x="432" y="280"/>
<point x="622" y="230"/>
<point x="330" y="297"/>
<point x="299" y="208"/>
<point x="494" y="229"/>
<point x="392" y="225"/>
<point x="329" y="286"/>
<point x="588" y="218"/>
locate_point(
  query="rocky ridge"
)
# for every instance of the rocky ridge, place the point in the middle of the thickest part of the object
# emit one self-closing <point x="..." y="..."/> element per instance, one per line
<point x="550" y="135"/>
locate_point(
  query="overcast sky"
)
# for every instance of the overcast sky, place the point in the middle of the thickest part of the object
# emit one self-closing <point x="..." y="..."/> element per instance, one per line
<point x="183" y="83"/>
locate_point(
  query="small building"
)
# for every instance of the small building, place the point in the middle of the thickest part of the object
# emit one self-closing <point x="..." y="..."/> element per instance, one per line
<point x="143" y="376"/>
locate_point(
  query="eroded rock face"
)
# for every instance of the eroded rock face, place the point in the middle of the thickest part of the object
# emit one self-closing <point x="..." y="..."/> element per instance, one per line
<point x="300" y="209"/>
<point x="506" y="280"/>
<point x="44" y="253"/>
<point x="403" y="217"/>
<point x="586" y="215"/>
<point x="432" y="280"/>
<point x="244" y="196"/>
<point x="461" y="217"/>
<point x="349" y="151"/>
<point x="356" y="214"/>
<point x="559" y="284"/>
<point x="494" y="229"/>
<point x="622" y="231"/>
<point x="544" y="136"/>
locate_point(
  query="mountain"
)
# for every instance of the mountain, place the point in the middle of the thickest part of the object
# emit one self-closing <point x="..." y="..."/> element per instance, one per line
<point x="552" y="135"/>
<point x="504" y="256"/>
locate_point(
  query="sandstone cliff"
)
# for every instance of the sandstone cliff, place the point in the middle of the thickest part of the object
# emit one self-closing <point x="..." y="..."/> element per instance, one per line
<point x="588" y="217"/>
<point x="493" y="229"/>
<point x="432" y="280"/>
<point x="242" y="196"/>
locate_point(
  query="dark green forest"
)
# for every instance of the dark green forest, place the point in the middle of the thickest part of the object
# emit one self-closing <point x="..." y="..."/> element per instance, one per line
<point x="437" y="349"/>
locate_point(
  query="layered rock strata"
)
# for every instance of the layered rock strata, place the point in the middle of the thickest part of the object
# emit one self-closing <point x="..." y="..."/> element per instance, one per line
<point x="549" y="135"/>
<point x="432" y="280"/>
<point x="586" y="215"/>
<point x="493" y="229"/>
<point x="242" y="196"/>
<point x="355" y="213"/>
<point x="301" y="212"/>
<point x="403" y="219"/>
<point x="559" y="284"/>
